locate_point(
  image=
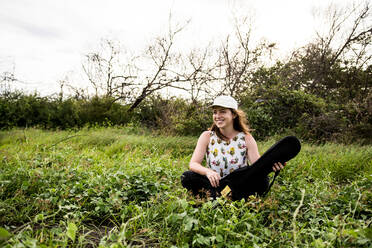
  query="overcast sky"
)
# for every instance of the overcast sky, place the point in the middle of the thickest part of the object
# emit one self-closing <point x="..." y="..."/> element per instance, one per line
<point x="46" y="39"/>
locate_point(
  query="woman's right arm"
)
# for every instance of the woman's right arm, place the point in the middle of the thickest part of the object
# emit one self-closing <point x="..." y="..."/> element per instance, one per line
<point x="197" y="158"/>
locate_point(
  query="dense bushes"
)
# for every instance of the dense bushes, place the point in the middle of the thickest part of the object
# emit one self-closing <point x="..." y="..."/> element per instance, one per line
<point x="270" y="111"/>
<point x="277" y="109"/>
<point x="17" y="109"/>
<point x="21" y="110"/>
<point x="175" y="116"/>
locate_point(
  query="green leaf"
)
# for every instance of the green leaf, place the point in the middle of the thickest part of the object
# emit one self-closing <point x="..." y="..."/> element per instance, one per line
<point x="200" y="239"/>
<point x="368" y="232"/>
<point x="39" y="217"/>
<point x="4" y="234"/>
<point x="219" y="238"/>
<point x="71" y="231"/>
<point x="190" y="222"/>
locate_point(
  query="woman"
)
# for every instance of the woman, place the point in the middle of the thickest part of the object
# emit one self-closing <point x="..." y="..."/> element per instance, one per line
<point x="228" y="146"/>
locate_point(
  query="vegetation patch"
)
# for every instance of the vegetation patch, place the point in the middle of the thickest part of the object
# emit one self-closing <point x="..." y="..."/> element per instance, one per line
<point x="105" y="187"/>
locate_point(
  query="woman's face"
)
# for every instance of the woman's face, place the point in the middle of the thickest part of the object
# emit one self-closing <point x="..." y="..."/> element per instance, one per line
<point x="222" y="117"/>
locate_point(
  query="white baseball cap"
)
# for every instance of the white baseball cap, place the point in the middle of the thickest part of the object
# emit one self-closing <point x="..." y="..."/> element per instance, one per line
<point x="226" y="102"/>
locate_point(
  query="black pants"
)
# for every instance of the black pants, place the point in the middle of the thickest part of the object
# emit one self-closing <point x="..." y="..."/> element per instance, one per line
<point x="253" y="185"/>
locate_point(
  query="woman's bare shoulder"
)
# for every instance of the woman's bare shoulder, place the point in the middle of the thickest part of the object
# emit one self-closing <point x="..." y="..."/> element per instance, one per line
<point x="249" y="139"/>
<point x="204" y="137"/>
<point x="205" y="134"/>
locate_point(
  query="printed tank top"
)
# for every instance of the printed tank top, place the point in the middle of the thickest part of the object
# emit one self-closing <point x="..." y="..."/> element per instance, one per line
<point x="226" y="156"/>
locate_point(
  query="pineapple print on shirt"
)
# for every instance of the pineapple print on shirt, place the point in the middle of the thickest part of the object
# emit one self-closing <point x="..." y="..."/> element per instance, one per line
<point x="232" y="151"/>
<point x="215" y="152"/>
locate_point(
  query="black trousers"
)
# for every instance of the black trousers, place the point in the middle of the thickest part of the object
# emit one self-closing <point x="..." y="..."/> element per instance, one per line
<point x="197" y="183"/>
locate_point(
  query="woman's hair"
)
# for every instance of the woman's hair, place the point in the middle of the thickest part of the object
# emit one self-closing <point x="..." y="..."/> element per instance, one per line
<point x="240" y="124"/>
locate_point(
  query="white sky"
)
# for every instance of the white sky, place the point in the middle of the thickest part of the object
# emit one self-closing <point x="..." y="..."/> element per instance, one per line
<point x="46" y="39"/>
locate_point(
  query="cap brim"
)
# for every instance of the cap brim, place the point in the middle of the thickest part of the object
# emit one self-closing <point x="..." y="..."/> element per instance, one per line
<point x="220" y="105"/>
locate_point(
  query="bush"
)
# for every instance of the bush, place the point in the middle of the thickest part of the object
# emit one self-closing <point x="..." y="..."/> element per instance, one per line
<point x="269" y="111"/>
<point x="359" y="114"/>
<point x="322" y="128"/>
<point x="64" y="114"/>
<point x="20" y="110"/>
<point x="175" y="116"/>
<point x="261" y="121"/>
<point x="274" y="110"/>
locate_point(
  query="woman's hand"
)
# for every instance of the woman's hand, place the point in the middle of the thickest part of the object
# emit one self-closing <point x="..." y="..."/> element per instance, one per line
<point x="214" y="178"/>
<point x="278" y="166"/>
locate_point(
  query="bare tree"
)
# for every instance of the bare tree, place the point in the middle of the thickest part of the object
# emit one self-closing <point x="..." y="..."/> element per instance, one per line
<point x="239" y="60"/>
<point x="8" y="79"/>
<point x="160" y="67"/>
<point x="161" y="58"/>
<point x="107" y="74"/>
<point x="197" y="73"/>
<point x="346" y="36"/>
<point x="345" y="26"/>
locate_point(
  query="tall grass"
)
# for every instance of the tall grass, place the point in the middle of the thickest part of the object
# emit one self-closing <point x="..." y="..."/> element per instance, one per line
<point x="114" y="187"/>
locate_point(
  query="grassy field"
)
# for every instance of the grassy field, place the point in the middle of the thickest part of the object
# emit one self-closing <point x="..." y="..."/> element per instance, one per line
<point x="109" y="187"/>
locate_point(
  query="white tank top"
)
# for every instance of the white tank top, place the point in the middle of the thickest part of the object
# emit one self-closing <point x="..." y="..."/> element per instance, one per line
<point x="226" y="156"/>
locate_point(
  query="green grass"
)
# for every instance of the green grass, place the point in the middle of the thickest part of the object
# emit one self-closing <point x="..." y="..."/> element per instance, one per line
<point x="109" y="187"/>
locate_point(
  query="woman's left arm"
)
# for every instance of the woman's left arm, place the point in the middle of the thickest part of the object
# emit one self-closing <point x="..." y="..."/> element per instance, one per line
<point x="253" y="154"/>
<point x="252" y="149"/>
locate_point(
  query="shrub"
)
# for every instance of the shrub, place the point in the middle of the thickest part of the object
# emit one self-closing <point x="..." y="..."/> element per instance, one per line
<point x="359" y="114"/>
<point x="18" y="109"/>
<point x="175" y="116"/>
<point x="274" y="110"/>
<point x="64" y="114"/>
<point x="322" y="128"/>
<point x="270" y="111"/>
